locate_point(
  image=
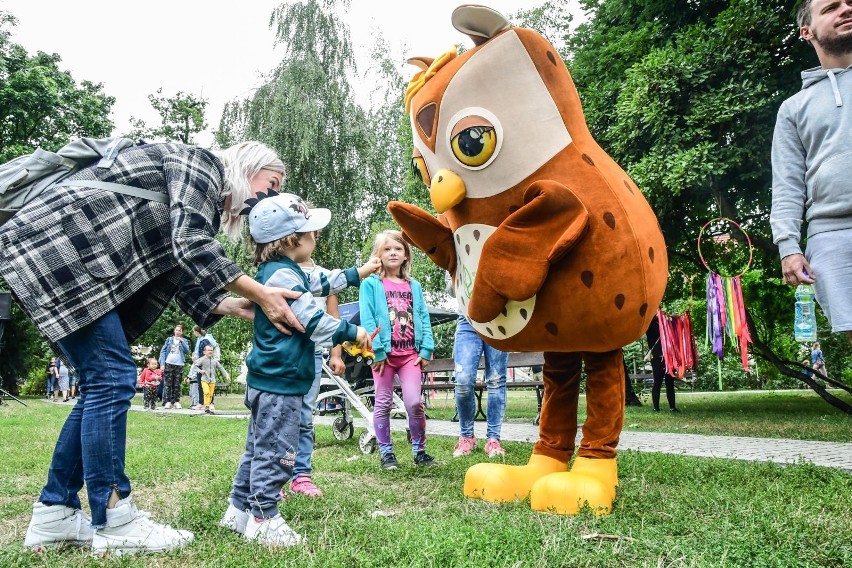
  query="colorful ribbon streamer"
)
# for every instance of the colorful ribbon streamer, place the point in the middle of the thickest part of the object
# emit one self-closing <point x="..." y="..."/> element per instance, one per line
<point x="726" y="318"/>
<point x="678" y="343"/>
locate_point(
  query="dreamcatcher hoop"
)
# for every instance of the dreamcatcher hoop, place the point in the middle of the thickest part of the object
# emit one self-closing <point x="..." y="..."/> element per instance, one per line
<point x="745" y="234"/>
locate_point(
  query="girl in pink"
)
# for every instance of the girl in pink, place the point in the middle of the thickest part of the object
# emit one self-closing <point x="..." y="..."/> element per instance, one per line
<point x="149" y="380"/>
<point x="392" y="302"/>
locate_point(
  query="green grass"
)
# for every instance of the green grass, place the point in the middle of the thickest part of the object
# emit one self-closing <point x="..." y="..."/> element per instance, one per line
<point x="670" y="511"/>
<point x="797" y="415"/>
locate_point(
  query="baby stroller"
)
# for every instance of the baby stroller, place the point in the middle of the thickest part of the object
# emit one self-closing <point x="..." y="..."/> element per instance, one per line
<point x="355" y="388"/>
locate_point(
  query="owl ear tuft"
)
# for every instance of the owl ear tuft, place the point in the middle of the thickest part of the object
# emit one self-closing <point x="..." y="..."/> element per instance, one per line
<point x="421" y="63"/>
<point x="480" y="23"/>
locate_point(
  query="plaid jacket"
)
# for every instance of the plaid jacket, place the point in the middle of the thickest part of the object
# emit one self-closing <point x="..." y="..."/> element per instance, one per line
<point x="73" y="254"/>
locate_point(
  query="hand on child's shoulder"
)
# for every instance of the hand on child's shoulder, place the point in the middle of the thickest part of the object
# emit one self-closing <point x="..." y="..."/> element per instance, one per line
<point x="370" y="267"/>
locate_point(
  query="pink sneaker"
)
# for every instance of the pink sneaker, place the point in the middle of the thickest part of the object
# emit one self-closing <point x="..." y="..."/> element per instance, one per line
<point x="304" y="485"/>
<point x="464" y="446"/>
<point x="493" y="448"/>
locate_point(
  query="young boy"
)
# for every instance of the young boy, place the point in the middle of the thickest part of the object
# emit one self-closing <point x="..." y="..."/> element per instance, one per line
<point x="207" y="368"/>
<point x="281" y="367"/>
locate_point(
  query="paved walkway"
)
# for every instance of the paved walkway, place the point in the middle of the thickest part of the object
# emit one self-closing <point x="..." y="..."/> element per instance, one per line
<point x="778" y="450"/>
<point x="828" y="454"/>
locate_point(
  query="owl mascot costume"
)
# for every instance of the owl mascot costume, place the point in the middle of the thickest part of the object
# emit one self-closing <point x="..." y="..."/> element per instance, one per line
<point x="551" y="246"/>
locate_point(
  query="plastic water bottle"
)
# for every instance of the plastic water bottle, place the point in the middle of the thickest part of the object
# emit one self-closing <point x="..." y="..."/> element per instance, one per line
<point x="805" y="327"/>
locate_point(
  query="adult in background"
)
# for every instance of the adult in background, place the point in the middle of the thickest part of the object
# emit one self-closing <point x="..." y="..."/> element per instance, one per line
<point x="468" y="349"/>
<point x="202" y="339"/>
<point x="811" y="148"/>
<point x="64" y="379"/>
<point x="817" y="359"/>
<point x="172" y="361"/>
<point x="74" y="380"/>
<point x="52" y="380"/>
<point x="94" y="269"/>
<point x="658" y="368"/>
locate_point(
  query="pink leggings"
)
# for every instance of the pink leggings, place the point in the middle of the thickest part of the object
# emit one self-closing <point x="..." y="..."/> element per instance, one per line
<point x="409" y="378"/>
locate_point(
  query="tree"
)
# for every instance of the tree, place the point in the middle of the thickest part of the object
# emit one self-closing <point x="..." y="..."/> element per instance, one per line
<point x="685" y="99"/>
<point x="40" y="105"/>
<point x="306" y="112"/>
<point x="182" y="117"/>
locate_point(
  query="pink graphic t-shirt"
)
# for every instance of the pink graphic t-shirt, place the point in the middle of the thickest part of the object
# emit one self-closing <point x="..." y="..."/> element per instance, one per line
<point x="401" y="315"/>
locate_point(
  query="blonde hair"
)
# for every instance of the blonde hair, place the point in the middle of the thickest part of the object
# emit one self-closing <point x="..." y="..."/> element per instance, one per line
<point x="264" y="252"/>
<point x="242" y="162"/>
<point x="379" y="244"/>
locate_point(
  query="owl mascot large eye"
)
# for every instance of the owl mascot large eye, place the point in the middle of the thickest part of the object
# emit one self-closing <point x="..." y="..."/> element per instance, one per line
<point x="551" y="246"/>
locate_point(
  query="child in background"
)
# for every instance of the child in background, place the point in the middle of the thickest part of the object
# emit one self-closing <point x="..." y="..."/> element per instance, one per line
<point x="281" y="367"/>
<point x="195" y="395"/>
<point x="150" y="377"/>
<point x="400" y="347"/>
<point x="207" y="367"/>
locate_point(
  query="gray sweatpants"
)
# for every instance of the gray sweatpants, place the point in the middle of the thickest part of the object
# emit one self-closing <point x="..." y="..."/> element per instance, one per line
<point x="267" y="464"/>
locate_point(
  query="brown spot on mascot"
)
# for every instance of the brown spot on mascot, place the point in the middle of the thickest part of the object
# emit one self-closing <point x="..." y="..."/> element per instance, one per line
<point x="550" y="245"/>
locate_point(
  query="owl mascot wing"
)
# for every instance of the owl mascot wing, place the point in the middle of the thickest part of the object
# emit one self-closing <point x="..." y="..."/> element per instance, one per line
<point x="550" y="244"/>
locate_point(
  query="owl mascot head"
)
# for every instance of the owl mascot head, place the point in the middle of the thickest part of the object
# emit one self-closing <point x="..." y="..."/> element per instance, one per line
<point x="551" y="246"/>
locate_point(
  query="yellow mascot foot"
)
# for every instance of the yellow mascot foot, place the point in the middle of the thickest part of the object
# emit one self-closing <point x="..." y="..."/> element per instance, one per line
<point x="497" y="483"/>
<point x="590" y="482"/>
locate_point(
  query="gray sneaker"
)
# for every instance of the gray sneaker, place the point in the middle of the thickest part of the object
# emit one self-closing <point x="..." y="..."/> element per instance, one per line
<point x="54" y="526"/>
<point x="129" y="530"/>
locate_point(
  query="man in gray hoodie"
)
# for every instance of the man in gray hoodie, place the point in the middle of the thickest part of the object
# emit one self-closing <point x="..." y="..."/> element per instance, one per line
<point x="811" y="174"/>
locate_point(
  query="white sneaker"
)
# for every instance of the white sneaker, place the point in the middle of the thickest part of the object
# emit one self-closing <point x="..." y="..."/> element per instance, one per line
<point x="168" y="405"/>
<point x="53" y="526"/>
<point x="235" y="519"/>
<point x="271" y="532"/>
<point x="131" y="530"/>
<point x="177" y="405"/>
<point x="212" y="408"/>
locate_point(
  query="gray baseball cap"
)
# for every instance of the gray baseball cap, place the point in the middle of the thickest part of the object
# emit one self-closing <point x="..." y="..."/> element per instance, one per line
<point x="276" y="217"/>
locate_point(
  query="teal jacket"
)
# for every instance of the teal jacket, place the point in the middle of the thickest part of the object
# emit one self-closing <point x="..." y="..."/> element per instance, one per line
<point x="374" y="311"/>
<point x="284" y="364"/>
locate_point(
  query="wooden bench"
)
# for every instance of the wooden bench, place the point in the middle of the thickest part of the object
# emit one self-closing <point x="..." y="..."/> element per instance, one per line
<point x="515" y="360"/>
<point x="447" y="367"/>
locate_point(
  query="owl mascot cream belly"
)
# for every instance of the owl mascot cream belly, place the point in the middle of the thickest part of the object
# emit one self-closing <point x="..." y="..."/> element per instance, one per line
<point x="551" y="246"/>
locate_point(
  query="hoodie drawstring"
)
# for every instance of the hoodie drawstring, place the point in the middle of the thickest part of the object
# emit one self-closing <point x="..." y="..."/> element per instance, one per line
<point x="837" y="100"/>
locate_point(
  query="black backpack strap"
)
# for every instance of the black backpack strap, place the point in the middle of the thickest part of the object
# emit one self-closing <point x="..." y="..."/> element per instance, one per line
<point x="117" y="188"/>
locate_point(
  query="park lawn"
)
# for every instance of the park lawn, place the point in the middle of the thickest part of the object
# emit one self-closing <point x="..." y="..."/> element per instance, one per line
<point x="670" y="511"/>
<point x="797" y="415"/>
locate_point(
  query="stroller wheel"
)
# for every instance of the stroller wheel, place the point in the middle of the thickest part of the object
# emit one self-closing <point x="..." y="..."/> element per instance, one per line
<point x="367" y="443"/>
<point x="342" y="429"/>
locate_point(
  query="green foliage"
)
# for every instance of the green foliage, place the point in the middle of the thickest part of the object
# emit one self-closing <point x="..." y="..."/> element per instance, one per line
<point x="685" y="99"/>
<point x="335" y="157"/>
<point x="182" y="116"/>
<point x="40" y="106"/>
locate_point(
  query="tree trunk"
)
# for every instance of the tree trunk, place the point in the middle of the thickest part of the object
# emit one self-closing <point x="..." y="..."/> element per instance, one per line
<point x="795" y="370"/>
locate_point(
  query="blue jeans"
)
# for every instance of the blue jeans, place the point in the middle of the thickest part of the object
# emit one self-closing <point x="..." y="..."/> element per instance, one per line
<point x="92" y="442"/>
<point x="467" y="351"/>
<point x="306" y="423"/>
